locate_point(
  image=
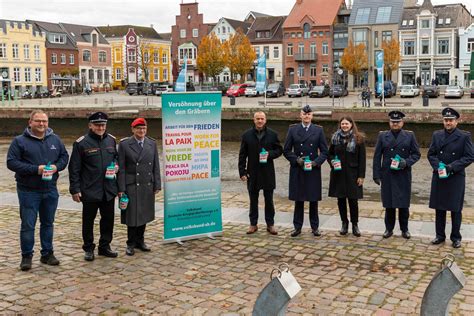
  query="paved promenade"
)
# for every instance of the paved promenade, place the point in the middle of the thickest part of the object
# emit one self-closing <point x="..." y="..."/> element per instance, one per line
<point x="338" y="275"/>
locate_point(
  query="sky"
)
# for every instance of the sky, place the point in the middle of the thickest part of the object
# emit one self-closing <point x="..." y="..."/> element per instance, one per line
<point x="160" y="13"/>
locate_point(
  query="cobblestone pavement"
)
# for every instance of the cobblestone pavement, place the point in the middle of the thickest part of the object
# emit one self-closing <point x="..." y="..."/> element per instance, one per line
<point x="338" y="275"/>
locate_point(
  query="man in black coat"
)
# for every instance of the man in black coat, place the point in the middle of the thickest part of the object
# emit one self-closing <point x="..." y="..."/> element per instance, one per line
<point x="260" y="146"/>
<point x="93" y="185"/>
<point x="453" y="148"/>
<point x="395" y="153"/>
<point x="306" y="150"/>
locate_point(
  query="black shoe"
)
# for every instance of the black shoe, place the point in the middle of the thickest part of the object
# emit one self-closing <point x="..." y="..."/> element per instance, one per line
<point x="387" y="234"/>
<point x="316" y="232"/>
<point x="25" y="264"/>
<point x="89" y="255"/>
<point x="107" y="252"/>
<point x="406" y="235"/>
<point x="49" y="259"/>
<point x="143" y="247"/>
<point x="295" y="233"/>
<point x="355" y="230"/>
<point x="344" y="229"/>
<point x="437" y="241"/>
<point x="457" y="244"/>
<point x="129" y="251"/>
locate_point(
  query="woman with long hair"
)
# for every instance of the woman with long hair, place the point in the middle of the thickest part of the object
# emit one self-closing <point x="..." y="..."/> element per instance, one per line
<point x="347" y="160"/>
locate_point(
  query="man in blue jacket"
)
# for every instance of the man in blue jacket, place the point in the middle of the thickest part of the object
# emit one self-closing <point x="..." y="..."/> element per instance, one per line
<point x="33" y="156"/>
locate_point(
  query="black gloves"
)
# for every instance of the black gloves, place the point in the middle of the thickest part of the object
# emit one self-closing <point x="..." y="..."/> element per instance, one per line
<point x="377" y="181"/>
<point x="402" y="164"/>
<point x="449" y="169"/>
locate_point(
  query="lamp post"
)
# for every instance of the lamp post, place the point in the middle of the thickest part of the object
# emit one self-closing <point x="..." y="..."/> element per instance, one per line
<point x="335" y="71"/>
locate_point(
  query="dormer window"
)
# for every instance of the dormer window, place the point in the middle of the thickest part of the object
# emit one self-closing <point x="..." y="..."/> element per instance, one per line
<point x="404" y="22"/>
<point x="57" y="38"/>
<point x="440" y="21"/>
<point x="267" y="34"/>
<point x="94" y="39"/>
<point x="259" y="34"/>
<point x="410" y="22"/>
<point x="448" y="21"/>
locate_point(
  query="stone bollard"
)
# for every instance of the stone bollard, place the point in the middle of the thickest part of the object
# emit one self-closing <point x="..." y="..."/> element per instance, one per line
<point x="445" y="283"/>
<point x="275" y="297"/>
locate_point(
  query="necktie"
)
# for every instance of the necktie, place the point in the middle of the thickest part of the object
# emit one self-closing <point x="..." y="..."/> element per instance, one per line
<point x="141" y="144"/>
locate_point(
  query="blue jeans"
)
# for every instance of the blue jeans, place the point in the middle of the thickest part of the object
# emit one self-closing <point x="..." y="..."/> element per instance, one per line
<point x="32" y="203"/>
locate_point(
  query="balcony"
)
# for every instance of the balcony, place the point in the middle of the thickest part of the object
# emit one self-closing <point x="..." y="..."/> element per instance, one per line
<point x="306" y="57"/>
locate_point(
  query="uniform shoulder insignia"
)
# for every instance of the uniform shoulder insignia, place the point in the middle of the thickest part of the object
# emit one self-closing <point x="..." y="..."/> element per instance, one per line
<point x="112" y="136"/>
<point x="409" y="131"/>
<point x="151" y="138"/>
<point x="317" y="125"/>
<point x="80" y="139"/>
<point x="125" y="138"/>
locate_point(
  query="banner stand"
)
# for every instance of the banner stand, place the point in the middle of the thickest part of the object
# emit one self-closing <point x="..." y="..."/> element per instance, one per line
<point x="181" y="240"/>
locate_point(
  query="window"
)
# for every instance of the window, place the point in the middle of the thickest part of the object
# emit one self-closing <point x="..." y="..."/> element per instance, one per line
<point x="257" y="51"/>
<point x="132" y="57"/>
<point x="156" y="74"/>
<point x="301" y="48"/>
<point x="26" y="51"/>
<point x="267" y="34"/>
<point x="289" y="49"/>
<point x="299" y="35"/>
<point x="443" y="76"/>
<point x="190" y="52"/>
<point x="118" y="74"/>
<point x="321" y="33"/>
<point x="293" y="35"/>
<point x="16" y="74"/>
<point x="259" y="34"/>
<point x="27" y="74"/>
<point x="409" y="48"/>
<point x="223" y="30"/>
<point x="3" y="50"/>
<point x="86" y="55"/>
<point x="156" y="57"/>
<point x="440" y="21"/>
<point x="470" y="45"/>
<point x="195" y="33"/>
<point x="325" y="48"/>
<point x="266" y="51"/>
<point x="57" y="38"/>
<point x="103" y="57"/>
<point x="362" y="16"/>
<point x="300" y="70"/>
<point x="376" y="39"/>
<point x="71" y="59"/>
<point x="425" y="47"/>
<point x="443" y="46"/>
<point x="94" y="39"/>
<point x="338" y="56"/>
<point x="410" y="22"/>
<point x="37" y="52"/>
<point x="359" y="37"/>
<point x="276" y="52"/>
<point x="312" y="70"/>
<point x="91" y="75"/>
<point x="182" y="33"/>
<point x="386" y="36"/>
<point x="448" y="21"/>
<point x="99" y="76"/>
<point x="106" y="76"/>
<point x="63" y="59"/>
<point x="54" y="58"/>
<point x="425" y="24"/>
<point x="164" y="58"/>
<point x="165" y="74"/>
<point x="146" y="57"/>
<point x="15" y="53"/>
<point x="383" y="15"/>
<point x="312" y="49"/>
<point x="325" y="68"/>
<point x="404" y="22"/>
<point x="117" y="55"/>
<point x="38" y="74"/>
<point x="307" y="30"/>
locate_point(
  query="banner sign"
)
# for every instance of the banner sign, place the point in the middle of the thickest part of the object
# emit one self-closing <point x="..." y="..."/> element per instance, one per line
<point x="379" y="63"/>
<point x="181" y="81"/>
<point x="191" y="151"/>
<point x="261" y="73"/>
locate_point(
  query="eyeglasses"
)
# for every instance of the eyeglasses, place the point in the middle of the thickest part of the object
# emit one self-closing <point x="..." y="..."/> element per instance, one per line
<point x="40" y="121"/>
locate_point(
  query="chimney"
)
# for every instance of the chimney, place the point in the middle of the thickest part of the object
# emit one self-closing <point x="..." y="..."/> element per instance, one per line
<point x="151" y="25"/>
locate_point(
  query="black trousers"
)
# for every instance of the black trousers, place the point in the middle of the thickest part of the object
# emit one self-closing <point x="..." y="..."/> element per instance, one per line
<point x="269" y="207"/>
<point x="353" y="209"/>
<point x="298" y="216"/>
<point x="403" y="215"/>
<point x="456" y="218"/>
<point x="89" y="213"/>
<point x="136" y="235"/>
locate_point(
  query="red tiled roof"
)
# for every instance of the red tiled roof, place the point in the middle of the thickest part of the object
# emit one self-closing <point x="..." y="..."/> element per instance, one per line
<point x="321" y="12"/>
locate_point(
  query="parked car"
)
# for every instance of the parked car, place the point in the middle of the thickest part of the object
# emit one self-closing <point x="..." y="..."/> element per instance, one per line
<point x="453" y="92"/>
<point x="236" y="90"/>
<point x="297" y="90"/>
<point x="275" y="89"/>
<point x="431" y="91"/>
<point x="56" y="92"/>
<point x="319" y="91"/>
<point x="163" y="87"/>
<point x="251" y="91"/>
<point x="222" y="87"/>
<point x="472" y="92"/>
<point x="148" y="89"/>
<point x="409" y="91"/>
<point x="390" y="89"/>
<point x="338" y="91"/>
<point x="134" y="88"/>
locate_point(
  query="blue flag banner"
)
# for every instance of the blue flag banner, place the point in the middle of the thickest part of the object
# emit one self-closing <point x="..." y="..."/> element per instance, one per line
<point x="380" y="64"/>
<point x="261" y="73"/>
<point x="181" y="82"/>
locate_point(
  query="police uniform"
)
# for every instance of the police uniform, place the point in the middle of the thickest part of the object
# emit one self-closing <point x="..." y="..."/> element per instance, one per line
<point x="454" y="149"/>
<point x="305" y="141"/>
<point x="91" y="155"/>
<point x="396" y="184"/>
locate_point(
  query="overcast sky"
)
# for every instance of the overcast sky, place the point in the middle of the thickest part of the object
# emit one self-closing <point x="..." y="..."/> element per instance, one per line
<point x="160" y="13"/>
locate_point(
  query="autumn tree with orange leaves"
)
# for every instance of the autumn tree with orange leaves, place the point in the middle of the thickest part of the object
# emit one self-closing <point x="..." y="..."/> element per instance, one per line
<point x="391" y="56"/>
<point x="211" y="59"/>
<point x="354" y="59"/>
<point x="239" y="54"/>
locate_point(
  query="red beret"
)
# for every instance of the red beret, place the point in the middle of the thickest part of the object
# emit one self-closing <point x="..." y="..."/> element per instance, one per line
<point x="139" y="121"/>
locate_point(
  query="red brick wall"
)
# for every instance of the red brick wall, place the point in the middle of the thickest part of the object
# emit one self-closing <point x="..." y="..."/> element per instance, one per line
<point x="58" y="67"/>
